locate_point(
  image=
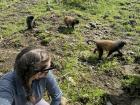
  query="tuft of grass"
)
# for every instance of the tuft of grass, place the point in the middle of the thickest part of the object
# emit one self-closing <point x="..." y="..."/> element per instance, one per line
<point x="137" y="29"/>
<point x="130" y="80"/>
<point x="107" y="65"/>
<point x="38" y="9"/>
<point x="10" y="29"/>
<point x="72" y="55"/>
<point x="7" y="3"/>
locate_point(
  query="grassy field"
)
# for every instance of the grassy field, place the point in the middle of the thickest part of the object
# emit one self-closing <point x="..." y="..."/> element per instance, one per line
<point x="83" y="79"/>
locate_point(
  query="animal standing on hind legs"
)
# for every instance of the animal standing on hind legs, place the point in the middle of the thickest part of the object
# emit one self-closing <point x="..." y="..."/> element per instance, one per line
<point x="30" y="21"/>
<point x="108" y="45"/>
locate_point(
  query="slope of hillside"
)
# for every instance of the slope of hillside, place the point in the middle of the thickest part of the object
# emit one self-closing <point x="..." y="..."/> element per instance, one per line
<point x="83" y="79"/>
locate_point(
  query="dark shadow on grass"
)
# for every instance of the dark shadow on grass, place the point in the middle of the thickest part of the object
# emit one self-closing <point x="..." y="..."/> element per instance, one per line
<point x="137" y="59"/>
<point x="65" y="30"/>
<point x="130" y="94"/>
<point x="91" y="60"/>
<point x="95" y="61"/>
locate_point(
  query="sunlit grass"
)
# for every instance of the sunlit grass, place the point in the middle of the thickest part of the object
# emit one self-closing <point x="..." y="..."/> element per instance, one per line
<point x="73" y="56"/>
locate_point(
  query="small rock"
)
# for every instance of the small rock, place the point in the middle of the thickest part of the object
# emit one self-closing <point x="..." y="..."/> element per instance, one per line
<point x="63" y="101"/>
<point x="72" y="81"/>
<point x="93" y="24"/>
<point x="48" y="32"/>
<point x="131" y="53"/>
<point x="87" y="26"/>
<point x="128" y="69"/>
<point x="1" y="74"/>
<point x="108" y="103"/>
<point x="37" y="31"/>
<point x="117" y="17"/>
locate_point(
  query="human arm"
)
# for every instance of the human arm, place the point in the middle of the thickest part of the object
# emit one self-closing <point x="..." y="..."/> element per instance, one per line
<point x="53" y="89"/>
<point x="4" y="101"/>
<point x="6" y="93"/>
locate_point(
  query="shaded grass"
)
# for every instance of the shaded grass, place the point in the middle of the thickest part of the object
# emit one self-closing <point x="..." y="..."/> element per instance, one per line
<point x="72" y="55"/>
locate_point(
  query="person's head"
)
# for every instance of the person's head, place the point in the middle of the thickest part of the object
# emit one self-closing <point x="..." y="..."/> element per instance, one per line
<point x="32" y="63"/>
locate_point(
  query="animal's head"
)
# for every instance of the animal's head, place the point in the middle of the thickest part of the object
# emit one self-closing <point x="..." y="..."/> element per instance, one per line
<point x="122" y="43"/>
<point x="76" y="21"/>
<point x="30" y="17"/>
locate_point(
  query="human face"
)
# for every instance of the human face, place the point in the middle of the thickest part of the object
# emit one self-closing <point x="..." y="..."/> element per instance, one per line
<point x="44" y="71"/>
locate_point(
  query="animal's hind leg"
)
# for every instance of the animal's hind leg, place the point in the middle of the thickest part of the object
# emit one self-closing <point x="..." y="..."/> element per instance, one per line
<point x="120" y="53"/>
<point x="110" y="52"/>
<point x="95" y="50"/>
<point x="67" y="25"/>
<point x="72" y="25"/>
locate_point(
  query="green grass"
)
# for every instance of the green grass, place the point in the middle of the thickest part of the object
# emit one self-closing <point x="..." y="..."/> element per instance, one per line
<point x="5" y="3"/>
<point x="71" y="53"/>
<point x="107" y="65"/>
<point x="131" y="80"/>
<point x="10" y="29"/>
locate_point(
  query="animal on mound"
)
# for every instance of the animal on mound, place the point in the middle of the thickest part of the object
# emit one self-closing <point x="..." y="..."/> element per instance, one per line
<point x="30" y="21"/>
<point x="107" y="45"/>
<point x="70" y="21"/>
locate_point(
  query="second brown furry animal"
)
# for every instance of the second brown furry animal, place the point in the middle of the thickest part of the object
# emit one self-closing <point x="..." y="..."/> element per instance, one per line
<point x="108" y="45"/>
<point x="70" y="21"/>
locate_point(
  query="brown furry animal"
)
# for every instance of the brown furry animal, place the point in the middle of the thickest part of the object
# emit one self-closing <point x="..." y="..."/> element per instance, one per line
<point x="30" y="22"/>
<point x="70" y="21"/>
<point x="108" y="45"/>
